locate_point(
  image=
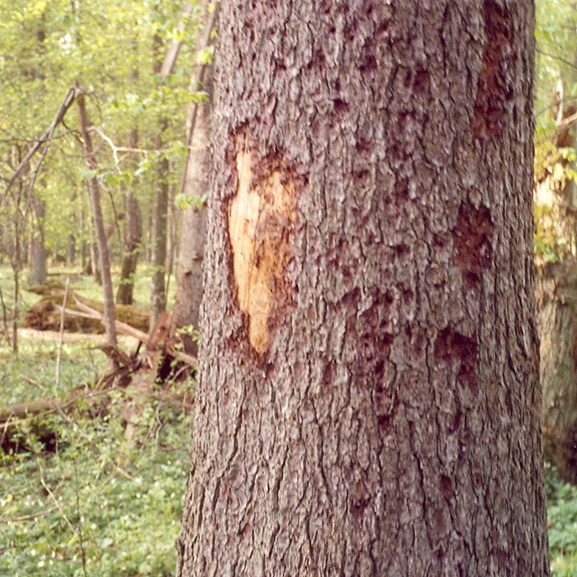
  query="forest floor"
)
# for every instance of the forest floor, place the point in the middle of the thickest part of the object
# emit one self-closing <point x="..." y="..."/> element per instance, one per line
<point x="81" y="498"/>
<point x="78" y="496"/>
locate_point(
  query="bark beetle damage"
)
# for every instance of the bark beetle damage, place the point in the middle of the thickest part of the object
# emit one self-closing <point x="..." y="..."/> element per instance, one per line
<point x="261" y="218"/>
<point x="472" y="248"/>
<point x="494" y="88"/>
<point x="453" y="346"/>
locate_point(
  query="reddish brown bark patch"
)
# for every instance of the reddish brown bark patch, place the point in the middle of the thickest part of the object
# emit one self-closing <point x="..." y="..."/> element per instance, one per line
<point x="452" y="346"/>
<point x="493" y="87"/>
<point x="260" y="223"/>
<point x="472" y="248"/>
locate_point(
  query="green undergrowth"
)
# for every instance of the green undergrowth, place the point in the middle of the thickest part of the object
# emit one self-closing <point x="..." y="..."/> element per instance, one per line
<point x="562" y="514"/>
<point x="89" y="503"/>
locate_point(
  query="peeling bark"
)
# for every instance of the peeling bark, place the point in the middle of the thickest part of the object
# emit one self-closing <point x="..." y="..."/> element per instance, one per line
<point x="369" y="397"/>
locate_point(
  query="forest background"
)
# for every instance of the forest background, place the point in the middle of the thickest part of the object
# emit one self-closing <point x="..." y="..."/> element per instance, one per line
<point x="92" y="471"/>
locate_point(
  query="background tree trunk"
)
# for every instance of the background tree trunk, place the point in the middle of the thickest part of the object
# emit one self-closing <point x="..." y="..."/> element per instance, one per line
<point x="186" y="312"/>
<point x="159" y="224"/>
<point x="37" y="249"/>
<point x="369" y="397"/>
<point x="159" y="236"/>
<point x="132" y="239"/>
<point x="101" y="237"/>
<point x="557" y="297"/>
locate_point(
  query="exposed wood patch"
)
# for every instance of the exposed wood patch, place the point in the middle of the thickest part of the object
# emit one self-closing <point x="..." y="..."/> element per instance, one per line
<point x="260" y="223"/>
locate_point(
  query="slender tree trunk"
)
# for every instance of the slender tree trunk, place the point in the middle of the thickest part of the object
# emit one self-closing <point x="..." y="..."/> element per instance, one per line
<point x="132" y="240"/>
<point x="163" y="67"/>
<point x="159" y="237"/>
<point x="37" y="258"/>
<point x="557" y="297"/>
<point x="101" y="238"/>
<point x="160" y="211"/>
<point x="186" y="312"/>
<point x="71" y="250"/>
<point x="369" y="398"/>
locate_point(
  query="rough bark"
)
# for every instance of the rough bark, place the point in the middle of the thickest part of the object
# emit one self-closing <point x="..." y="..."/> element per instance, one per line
<point x="369" y="399"/>
<point x="557" y="321"/>
<point x="186" y="312"/>
<point x="98" y="221"/>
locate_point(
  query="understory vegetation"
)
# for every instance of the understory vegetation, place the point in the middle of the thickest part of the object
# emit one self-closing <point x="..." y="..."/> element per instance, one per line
<point x="78" y="496"/>
<point x="562" y="513"/>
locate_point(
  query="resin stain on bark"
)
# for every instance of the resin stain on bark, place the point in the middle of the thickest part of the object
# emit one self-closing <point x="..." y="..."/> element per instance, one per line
<point x="260" y="222"/>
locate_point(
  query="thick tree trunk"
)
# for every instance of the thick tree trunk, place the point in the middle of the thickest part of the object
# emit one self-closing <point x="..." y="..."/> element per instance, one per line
<point x="369" y="397"/>
<point x="98" y="220"/>
<point x="557" y="297"/>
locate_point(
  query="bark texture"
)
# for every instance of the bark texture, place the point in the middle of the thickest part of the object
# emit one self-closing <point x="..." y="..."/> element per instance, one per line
<point x="369" y="401"/>
<point x="557" y="319"/>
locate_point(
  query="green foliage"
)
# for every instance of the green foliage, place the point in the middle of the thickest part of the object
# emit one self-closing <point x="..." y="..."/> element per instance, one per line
<point x="182" y="200"/>
<point x="562" y="513"/>
<point x="554" y="167"/>
<point x="95" y="494"/>
<point x="98" y="497"/>
<point x="112" y="48"/>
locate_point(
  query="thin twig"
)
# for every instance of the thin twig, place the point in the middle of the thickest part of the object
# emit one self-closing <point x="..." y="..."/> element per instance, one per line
<point x="54" y="499"/>
<point x="556" y="57"/>
<point x="28" y="517"/>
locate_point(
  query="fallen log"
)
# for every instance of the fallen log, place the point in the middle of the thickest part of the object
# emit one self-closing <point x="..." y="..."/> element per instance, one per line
<point x="151" y="341"/>
<point x="18" y="421"/>
<point x="46" y="313"/>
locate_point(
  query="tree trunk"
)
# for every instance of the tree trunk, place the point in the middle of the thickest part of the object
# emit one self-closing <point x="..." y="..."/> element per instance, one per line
<point x="37" y="250"/>
<point x="557" y="297"/>
<point x="132" y="240"/>
<point x="71" y="250"/>
<point x="98" y="220"/>
<point x="369" y="395"/>
<point x="186" y="312"/>
<point x="159" y="237"/>
<point x="160" y="205"/>
<point x="163" y="67"/>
